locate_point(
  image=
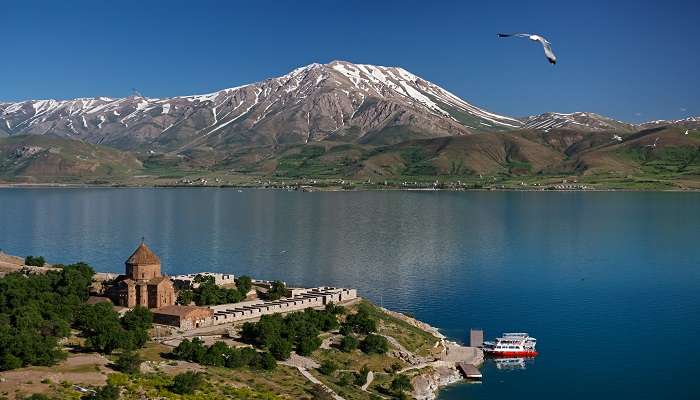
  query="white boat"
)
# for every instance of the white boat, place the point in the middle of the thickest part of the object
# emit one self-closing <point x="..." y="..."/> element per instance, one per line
<point x="511" y="345"/>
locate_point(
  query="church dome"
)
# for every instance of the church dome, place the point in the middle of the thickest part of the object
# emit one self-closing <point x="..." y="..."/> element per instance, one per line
<point x="143" y="256"/>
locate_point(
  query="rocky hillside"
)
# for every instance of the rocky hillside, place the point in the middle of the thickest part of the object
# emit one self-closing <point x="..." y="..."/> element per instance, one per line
<point x="335" y="120"/>
<point x="585" y="121"/>
<point x="339" y="100"/>
<point x="46" y="158"/>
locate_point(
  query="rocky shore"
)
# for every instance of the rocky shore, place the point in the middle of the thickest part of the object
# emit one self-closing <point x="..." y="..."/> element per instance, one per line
<point x="442" y="370"/>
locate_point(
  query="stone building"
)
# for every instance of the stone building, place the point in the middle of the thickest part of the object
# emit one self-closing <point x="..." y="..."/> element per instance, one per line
<point x="183" y="317"/>
<point x="143" y="283"/>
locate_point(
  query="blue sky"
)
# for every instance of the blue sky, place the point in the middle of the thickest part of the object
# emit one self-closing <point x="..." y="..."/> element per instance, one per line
<point x="631" y="60"/>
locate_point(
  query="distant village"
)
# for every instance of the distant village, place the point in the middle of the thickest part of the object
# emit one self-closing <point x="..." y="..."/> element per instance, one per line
<point x="143" y="284"/>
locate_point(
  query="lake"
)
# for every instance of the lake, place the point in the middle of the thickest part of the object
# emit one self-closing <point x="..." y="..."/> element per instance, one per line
<point x="609" y="283"/>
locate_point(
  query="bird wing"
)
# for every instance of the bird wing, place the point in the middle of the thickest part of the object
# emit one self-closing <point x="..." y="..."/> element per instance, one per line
<point x="545" y="44"/>
<point x="548" y="50"/>
<point x="514" y="34"/>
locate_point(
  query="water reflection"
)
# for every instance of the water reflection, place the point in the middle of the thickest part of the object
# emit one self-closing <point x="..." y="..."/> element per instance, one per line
<point x="512" y="363"/>
<point x="597" y="275"/>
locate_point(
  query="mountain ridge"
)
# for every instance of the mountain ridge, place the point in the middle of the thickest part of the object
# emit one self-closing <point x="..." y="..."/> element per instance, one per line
<point x="334" y="120"/>
<point x="310" y="103"/>
<point x="338" y="100"/>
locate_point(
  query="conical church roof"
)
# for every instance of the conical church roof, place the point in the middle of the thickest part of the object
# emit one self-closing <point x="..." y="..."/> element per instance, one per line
<point x="143" y="256"/>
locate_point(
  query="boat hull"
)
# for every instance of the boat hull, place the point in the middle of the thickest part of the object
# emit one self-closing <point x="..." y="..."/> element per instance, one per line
<point x="515" y="353"/>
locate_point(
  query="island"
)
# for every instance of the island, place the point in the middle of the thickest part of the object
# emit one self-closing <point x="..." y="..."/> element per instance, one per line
<point x="67" y="332"/>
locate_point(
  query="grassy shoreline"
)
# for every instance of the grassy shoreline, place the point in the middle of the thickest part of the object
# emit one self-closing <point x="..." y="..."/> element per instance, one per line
<point x="358" y="188"/>
<point x="290" y="380"/>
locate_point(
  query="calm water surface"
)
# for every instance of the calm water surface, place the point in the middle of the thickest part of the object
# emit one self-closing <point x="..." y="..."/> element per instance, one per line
<point x="608" y="282"/>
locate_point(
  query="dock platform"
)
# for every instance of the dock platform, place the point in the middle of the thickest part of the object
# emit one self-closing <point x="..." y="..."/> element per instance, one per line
<point x="469" y="371"/>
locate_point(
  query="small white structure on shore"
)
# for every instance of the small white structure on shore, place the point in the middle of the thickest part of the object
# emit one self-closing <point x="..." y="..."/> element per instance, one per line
<point x="219" y="278"/>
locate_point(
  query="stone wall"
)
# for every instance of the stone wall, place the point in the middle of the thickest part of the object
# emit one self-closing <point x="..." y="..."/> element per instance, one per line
<point x="310" y="298"/>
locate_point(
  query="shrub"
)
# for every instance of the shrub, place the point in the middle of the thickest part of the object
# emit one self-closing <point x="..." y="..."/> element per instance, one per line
<point x="185" y="297"/>
<point x="297" y="330"/>
<point x="37" y="396"/>
<point x="36" y="310"/>
<point x="401" y="383"/>
<point x="187" y="382"/>
<point x="374" y="344"/>
<point x="360" y="322"/>
<point x="348" y="343"/>
<point x="308" y="344"/>
<point x="345" y="379"/>
<point x="328" y="367"/>
<point x="128" y="362"/>
<point x="219" y="354"/>
<point x="108" y="392"/>
<point x="277" y="291"/>
<point x="244" y="284"/>
<point x="117" y="379"/>
<point x="280" y="348"/>
<point x="395" y="367"/>
<point x="334" y="309"/>
<point x="266" y="361"/>
<point x="361" y="377"/>
<point x="34" y="261"/>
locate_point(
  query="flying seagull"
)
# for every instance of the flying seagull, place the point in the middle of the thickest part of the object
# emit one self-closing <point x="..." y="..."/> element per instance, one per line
<point x="537" y="38"/>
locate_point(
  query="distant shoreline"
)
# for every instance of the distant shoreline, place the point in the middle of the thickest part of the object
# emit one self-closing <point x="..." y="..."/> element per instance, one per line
<point x="327" y="189"/>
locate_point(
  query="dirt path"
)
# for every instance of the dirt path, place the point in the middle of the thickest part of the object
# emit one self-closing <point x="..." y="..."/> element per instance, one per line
<point x="313" y="380"/>
<point x="297" y="361"/>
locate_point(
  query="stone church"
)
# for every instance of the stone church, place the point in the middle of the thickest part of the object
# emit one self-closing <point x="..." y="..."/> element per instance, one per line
<point x="143" y="283"/>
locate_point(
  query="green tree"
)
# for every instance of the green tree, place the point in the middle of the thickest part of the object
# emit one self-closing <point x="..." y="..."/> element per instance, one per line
<point x="374" y="344"/>
<point x="128" y="362"/>
<point x="34" y="261"/>
<point x="102" y="328"/>
<point x="137" y="318"/>
<point x="361" y="376"/>
<point x="193" y="351"/>
<point x="187" y="382"/>
<point x="205" y="279"/>
<point x="266" y="361"/>
<point x="360" y="322"/>
<point x="395" y="367"/>
<point x="334" y="309"/>
<point x="346" y="379"/>
<point x="280" y="348"/>
<point x="207" y="294"/>
<point x="107" y="392"/>
<point x="277" y="290"/>
<point x="244" y="284"/>
<point x="348" y="343"/>
<point x="36" y="310"/>
<point x="400" y="384"/>
<point x="307" y="345"/>
<point x="328" y="367"/>
<point x="37" y="396"/>
<point x="185" y="297"/>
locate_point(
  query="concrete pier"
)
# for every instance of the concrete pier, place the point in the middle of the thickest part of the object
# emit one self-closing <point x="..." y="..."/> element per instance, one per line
<point x="469" y="371"/>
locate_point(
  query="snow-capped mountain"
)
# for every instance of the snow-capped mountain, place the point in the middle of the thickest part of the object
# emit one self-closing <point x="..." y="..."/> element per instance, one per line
<point x="687" y="123"/>
<point x="338" y="100"/>
<point x="575" y="121"/>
